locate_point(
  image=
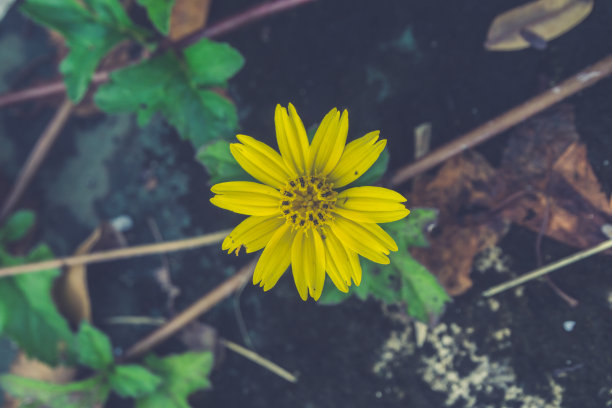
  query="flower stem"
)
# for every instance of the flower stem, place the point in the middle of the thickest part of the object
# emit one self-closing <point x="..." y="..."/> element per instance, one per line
<point x="122" y="253"/>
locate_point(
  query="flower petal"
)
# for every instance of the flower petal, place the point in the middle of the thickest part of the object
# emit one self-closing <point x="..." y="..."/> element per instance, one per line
<point x="328" y="143"/>
<point x="371" y="205"/>
<point x="358" y="156"/>
<point x="275" y="258"/>
<point x="368" y="240"/>
<point x="253" y="233"/>
<point x="246" y="197"/>
<point x="308" y="263"/>
<point x="291" y="138"/>
<point x="263" y="163"/>
<point x="337" y="261"/>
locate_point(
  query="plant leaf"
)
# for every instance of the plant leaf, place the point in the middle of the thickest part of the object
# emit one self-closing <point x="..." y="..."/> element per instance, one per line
<point x="160" y="84"/>
<point x="95" y="350"/>
<point x="87" y="393"/>
<point x="91" y="29"/>
<point x="17" y="226"/>
<point x="133" y="380"/>
<point x="212" y="63"/>
<point x="182" y="375"/>
<point x="220" y="164"/>
<point x="159" y="12"/>
<point x="27" y="312"/>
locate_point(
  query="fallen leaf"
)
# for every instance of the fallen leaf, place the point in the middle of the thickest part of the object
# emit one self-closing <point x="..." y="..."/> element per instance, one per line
<point x="187" y="17"/>
<point x="535" y="23"/>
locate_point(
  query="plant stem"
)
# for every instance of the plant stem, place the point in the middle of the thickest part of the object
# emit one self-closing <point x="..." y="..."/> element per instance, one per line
<point x="585" y="78"/>
<point x="257" y="359"/>
<point x="216" y="30"/>
<point x="192" y="312"/>
<point x="122" y="253"/>
<point x="548" y="268"/>
<point x="36" y="157"/>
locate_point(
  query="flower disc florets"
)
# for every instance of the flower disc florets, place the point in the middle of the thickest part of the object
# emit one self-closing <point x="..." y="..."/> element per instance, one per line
<point x="308" y="202"/>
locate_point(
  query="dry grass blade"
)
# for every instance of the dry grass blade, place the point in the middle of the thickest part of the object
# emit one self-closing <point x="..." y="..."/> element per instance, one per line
<point x="200" y="307"/>
<point x="36" y="157"/>
<point x="122" y="253"/>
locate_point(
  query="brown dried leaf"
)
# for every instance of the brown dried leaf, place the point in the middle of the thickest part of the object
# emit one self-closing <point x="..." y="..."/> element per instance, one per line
<point x="464" y="182"/>
<point x="187" y="17"/>
<point x="535" y="23"/>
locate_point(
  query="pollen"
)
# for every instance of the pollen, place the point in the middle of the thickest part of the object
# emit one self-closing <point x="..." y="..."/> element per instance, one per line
<point x="308" y="202"/>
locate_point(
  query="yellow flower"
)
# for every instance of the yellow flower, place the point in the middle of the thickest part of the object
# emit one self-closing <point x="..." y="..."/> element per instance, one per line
<point x="299" y="215"/>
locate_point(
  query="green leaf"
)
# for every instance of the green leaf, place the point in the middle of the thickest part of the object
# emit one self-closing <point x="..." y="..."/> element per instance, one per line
<point x="27" y="313"/>
<point x="162" y="85"/>
<point x="412" y="230"/>
<point x="424" y="297"/>
<point x="159" y="12"/>
<point x="94" y="348"/>
<point x="87" y="393"/>
<point x="374" y="173"/>
<point x="133" y="380"/>
<point x="182" y="375"/>
<point x="212" y="63"/>
<point x="220" y="164"/>
<point x="91" y="29"/>
<point x="17" y="226"/>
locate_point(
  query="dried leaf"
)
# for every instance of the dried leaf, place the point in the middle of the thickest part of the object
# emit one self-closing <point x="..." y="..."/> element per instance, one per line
<point x="535" y="23"/>
<point x="187" y="17"/>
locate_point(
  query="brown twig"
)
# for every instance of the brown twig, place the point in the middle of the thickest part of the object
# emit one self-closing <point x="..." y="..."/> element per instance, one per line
<point x="216" y="30"/>
<point x="585" y="78"/>
<point x="36" y="157"/>
<point x="192" y="312"/>
<point x="121" y="253"/>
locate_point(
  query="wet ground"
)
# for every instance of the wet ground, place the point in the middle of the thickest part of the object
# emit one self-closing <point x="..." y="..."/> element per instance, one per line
<point x="393" y="66"/>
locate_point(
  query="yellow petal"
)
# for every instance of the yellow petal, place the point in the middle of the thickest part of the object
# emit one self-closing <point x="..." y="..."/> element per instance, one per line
<point x="275" y="258"/>
<point x="267" y="158"/>
<point x="368" y="240"/>
<point x="337" y="261"/>
<point x="371" y="205"/>
<point x="357" y="158"/>
<point x="308" y="263"/>
<point x="355" y="266"/>
<point x="246" y="197"/>
<point x="291" y="138"/>
<point x="328" y="143"/>
<point x="259" y="164"/>
<point x="253" y="233"/>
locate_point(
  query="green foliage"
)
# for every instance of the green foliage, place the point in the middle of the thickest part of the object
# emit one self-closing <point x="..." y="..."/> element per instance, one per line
<point x="35" y="393"/>
<point x="405" y="280"/>
<point x="159" y="12"/>
<point x="94" y="348"/>
<point x="17" y="226"/>
<point x="178" y="91"/>
<point x="220" y="164"/>
<point x="182" y="375"/>
<point x="91" y="29"/>
<point x="132" y="380"/>
<point x="27" y="312"/>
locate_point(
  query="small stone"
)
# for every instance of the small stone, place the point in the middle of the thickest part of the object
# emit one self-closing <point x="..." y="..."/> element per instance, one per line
<point x="568" y="325"/>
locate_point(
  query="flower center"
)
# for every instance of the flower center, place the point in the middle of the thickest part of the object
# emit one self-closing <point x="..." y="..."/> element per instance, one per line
<point x="307" y="202"/>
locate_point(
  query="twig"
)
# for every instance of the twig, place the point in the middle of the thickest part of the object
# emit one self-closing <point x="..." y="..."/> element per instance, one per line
<point x="36" y="157"/>
<point x="216" y="30"/>
<point x="585" y="78"/>
<point x="548" y="268"/>
<point x="122" y="253"/>
<point x="192" y="312"/>
<point x="257" y="359"/>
